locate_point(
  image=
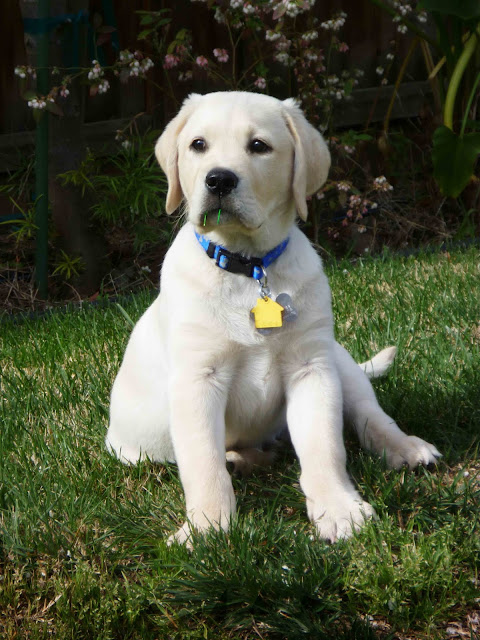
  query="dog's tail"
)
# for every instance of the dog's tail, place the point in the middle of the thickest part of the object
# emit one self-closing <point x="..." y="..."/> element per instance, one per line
<point x="380" y="363"/>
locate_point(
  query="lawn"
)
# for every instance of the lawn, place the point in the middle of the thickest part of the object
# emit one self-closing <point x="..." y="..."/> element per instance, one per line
<point x="83" y="552"/>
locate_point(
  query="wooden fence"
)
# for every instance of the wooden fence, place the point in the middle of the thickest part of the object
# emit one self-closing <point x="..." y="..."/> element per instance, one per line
<point x="94" y="120"/>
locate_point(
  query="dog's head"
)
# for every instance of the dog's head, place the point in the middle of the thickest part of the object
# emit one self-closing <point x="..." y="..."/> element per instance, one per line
<point x="253" y="157"/>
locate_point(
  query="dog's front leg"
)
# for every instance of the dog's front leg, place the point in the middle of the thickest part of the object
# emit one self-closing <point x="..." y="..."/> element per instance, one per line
<point x="314" y="417"/>
<point x="198" y="395"/>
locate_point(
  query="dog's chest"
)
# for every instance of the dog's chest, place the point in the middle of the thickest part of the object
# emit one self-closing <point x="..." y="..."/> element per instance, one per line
<point x="233" y="307"/>
<point x="256" y="397"/>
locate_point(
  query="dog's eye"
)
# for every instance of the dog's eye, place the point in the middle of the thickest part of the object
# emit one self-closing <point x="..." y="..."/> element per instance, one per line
<point x="198" y="144"/>
<point x="258" y="146"/>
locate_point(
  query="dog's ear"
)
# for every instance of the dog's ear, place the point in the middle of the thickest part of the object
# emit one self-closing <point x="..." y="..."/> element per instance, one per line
<point x="312" y="157"/>
<point x="166" y="151"/>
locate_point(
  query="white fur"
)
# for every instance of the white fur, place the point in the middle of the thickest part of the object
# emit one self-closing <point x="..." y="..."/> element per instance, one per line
<point x="197" y="378"/>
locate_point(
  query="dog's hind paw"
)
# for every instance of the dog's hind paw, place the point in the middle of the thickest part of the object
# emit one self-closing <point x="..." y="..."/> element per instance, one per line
<point x="412" y="451"/>
<point x="242" y="462"/>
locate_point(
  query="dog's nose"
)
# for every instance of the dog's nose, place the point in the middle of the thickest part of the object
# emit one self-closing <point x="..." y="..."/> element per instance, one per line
<point x="221" y="181"/>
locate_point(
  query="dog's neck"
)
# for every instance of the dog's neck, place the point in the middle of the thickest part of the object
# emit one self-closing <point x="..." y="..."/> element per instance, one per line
<point x="251" y="266"/>
<point x="251" y="243"/>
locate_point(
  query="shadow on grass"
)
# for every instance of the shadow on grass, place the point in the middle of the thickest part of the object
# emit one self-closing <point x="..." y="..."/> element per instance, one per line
<point x="445" y="413"/>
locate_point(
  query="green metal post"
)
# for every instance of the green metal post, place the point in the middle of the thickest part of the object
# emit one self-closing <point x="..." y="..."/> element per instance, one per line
<point x="41" y="157"/>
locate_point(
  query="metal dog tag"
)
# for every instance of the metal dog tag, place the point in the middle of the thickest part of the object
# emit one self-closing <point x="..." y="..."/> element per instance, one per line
<point x="289" y="312"/>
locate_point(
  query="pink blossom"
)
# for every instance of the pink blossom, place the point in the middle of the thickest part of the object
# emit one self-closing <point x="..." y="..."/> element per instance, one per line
<point x="271" y="36"/>
<point x="202" y="61"/>
<point x="343" y="185"/>
<point x="283" y="58"/>
<point x="37" y="103"/>
<point x="343" y="47"/>
<point x="221" y="55"/>
<point x="170" y="61"/>
<point x="260" y="83"/>
<point x="104" y="86"/>
<point x="283" y="44"/>
<point x="381" y="184"/>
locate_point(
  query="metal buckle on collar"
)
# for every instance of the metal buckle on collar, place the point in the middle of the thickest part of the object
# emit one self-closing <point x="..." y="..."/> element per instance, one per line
<point x="235" y="263"/>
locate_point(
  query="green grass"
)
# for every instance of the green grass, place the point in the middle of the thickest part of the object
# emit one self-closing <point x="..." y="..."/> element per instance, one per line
<point x="83" y="551"/>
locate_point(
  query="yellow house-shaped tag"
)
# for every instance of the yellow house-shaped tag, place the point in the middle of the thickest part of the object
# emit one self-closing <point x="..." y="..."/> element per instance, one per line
<point x="267" y="313"/>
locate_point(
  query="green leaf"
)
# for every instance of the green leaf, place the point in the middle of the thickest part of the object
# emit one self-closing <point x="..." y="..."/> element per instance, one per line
<point x="348" y="88"/>
<point x="38" y="114"/>
<point x="144" y="34"/>
<point x="182" y="35"/>
<point x="465" y="9"/>
<point x="261" y="69"/>
<point x="106" y="29"/>
<point x="279" y="11"/>
<point x="13" y="221"/>
<point x="454" y="159"/>
<point x="146" y="19"/>
<point x="54" y="108"/>
<point x="29" y="95"/>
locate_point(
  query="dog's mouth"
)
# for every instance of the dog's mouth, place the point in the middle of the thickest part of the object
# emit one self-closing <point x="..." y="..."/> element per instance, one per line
<point x="218" y="218"/>
<point x="218" y="212"/>
<point x="214" y="217"/>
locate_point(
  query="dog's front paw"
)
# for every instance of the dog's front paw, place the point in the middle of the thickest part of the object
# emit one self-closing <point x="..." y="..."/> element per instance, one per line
<point x="182" y="536"/>
<point x="339" y="516"/>
<point x="412" y="451"/>
<point x="185" y="534"/>
<point x="215" y="515"/>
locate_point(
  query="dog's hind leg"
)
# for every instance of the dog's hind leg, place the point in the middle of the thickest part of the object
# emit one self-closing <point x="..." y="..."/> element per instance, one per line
<point x="243" y="462"/>
<point x="376" y="430"/>
<point x="139" y="421"/>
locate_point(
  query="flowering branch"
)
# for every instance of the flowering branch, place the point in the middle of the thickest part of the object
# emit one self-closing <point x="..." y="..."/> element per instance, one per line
<point x="128" y="65"/>
<point x="398" y="11"/>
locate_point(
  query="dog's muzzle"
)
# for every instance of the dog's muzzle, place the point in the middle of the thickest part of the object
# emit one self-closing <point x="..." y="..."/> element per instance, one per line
<point x="220" y="182"/>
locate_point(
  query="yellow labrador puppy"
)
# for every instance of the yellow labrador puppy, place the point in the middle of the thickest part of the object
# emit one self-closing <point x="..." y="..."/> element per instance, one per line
<point x="240" y="340"/>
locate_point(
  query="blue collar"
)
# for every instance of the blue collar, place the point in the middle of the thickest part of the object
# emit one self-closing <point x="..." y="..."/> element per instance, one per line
<point x="236" y="263"/>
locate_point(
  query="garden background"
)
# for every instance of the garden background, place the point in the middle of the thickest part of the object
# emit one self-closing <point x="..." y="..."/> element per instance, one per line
<point x="374" y="76"/>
